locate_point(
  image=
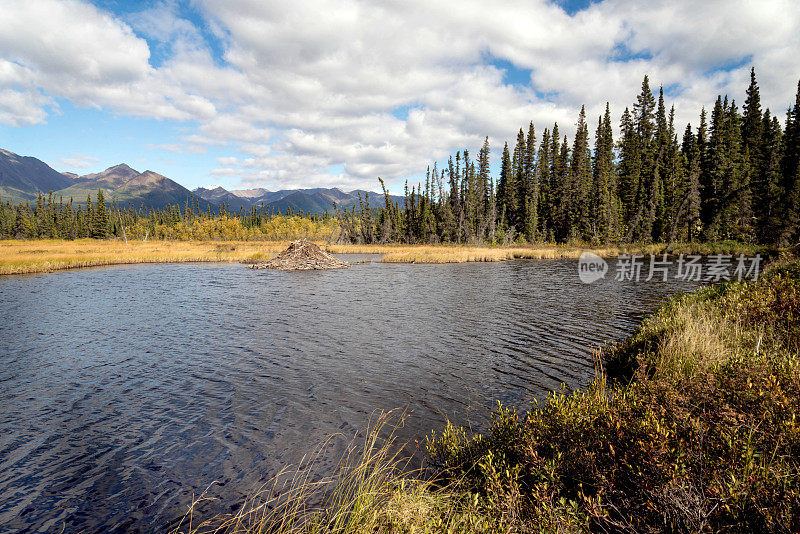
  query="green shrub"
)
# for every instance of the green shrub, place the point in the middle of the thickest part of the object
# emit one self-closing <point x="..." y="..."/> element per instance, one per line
<point x="703" y="435"/>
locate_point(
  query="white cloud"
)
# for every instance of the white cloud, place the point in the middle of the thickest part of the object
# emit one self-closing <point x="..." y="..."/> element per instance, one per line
<point x="20" y="108"/>
<point x="304" y="87"/>
<point x="70" y="49"/>
<point x="78" y="161"/>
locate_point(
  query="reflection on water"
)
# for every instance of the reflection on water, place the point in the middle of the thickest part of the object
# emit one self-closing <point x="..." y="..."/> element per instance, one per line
<point x="126" y="390"/>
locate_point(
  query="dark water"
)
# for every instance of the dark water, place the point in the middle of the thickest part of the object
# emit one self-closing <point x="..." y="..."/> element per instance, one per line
<point x="126" y="390"/>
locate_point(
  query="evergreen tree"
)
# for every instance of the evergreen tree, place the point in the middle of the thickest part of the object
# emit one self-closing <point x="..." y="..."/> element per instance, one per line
<point x="544" y="162"/>
<point x="768" y="192"/>
<point x="791" y="174"/>
<point x="641" y="224"/>
<point x="605" y="206"/>
<point x="87" y="229"/>
<point x="689" y="206"/>
<point x="674" y="180"/>
<point x="580" y="180"/>
<point x="562" y="207"/>
<point x="515" y="192"/>
<point x="453" y="228"/>
<point x="738" y="198"/>
<point x="531" y="187"/>
<point x="753" y="133"/>
<point x="483" y="193"/>
<point x="505" y="188"/>
<point x="557" y="187"/>
<point x="716" y="164"/>
<point x="100" y="219"/>
<point x="629" y="170"/>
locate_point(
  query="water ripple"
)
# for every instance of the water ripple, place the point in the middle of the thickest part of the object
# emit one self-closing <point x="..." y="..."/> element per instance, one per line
<point x="125" y="391"/>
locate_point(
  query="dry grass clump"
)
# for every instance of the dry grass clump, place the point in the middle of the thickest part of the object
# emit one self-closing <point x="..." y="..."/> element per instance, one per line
<point x="444" y="253"/>
<point x="463" y="254"/>
<point x="373" y="489"/>
<point x="365" y="249"/>
<point x="440" y="254"/>
<point x="699" y="339"/>
<point x="24" y="257"/>
<point x="35" y="256"/>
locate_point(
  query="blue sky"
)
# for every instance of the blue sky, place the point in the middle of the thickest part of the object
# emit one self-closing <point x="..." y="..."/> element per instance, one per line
<point x="321" y="93"/>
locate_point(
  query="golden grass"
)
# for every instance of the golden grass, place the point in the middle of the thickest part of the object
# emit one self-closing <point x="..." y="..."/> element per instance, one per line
<point x="474" y="253"/>
<point x="700" y="338"/>
<point x="45" y="255"/>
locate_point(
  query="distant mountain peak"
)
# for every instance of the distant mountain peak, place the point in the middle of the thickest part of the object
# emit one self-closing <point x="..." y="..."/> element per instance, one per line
<point x="22" y="177"/>
<point x="220" y="194"/>
<point x="251" y="193"/>
<point x="112" y="177"/>
<point x="123" y="169"/>
<point x="120" y="167"/>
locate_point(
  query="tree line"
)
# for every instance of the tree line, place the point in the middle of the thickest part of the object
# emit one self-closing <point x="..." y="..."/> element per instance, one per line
<point x="53" y="218"/>
<point x="734" y="177"/>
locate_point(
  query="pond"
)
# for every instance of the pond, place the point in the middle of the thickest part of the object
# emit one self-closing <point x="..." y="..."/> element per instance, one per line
<point x="125" y="391"/>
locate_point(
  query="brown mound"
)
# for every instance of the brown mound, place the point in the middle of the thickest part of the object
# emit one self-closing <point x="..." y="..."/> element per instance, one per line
<point x="301" y="256"/>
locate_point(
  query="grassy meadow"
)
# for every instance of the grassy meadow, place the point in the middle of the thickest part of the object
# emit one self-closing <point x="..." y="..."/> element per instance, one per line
<point x="470" y="253"/>
<point x="45" y="255"/>
<point x="690" y="425"/>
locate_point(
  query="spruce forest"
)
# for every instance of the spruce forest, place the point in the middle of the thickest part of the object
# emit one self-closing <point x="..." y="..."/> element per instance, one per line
<point x="735" y="175"/>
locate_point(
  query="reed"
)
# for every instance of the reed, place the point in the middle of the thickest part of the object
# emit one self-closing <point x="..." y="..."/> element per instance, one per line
<point x="443" y="253"/>
<point x="26" y="257"/>
<point x="45" y="255"/>
<point x="446" y="253"/>
<point x="374" y="488"/>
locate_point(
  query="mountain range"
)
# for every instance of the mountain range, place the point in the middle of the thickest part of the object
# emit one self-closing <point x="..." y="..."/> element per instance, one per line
<point x="22" y="178"/>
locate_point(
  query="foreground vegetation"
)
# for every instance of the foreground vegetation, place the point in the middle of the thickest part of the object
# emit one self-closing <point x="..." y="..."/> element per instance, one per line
<point x="697" y="430"/>
<point x="705" y="436"/>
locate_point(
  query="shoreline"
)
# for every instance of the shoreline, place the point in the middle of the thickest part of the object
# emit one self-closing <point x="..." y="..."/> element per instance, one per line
<point x="49" y="255"/>
<point x="693" y="428"/>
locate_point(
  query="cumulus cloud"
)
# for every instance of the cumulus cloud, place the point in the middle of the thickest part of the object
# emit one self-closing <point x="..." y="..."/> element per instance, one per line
<point x="295" y="90"/>
<point x="70" y="49"/>
<point x="21" y="108"/>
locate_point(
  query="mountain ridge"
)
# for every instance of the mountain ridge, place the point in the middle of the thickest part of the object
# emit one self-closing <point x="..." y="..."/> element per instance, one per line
<point x="22" y="178"/>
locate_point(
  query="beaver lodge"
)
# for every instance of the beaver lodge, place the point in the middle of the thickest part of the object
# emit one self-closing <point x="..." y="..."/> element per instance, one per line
<point x="300" y="256"/>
